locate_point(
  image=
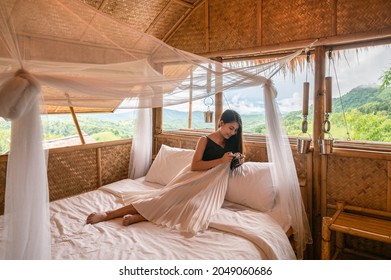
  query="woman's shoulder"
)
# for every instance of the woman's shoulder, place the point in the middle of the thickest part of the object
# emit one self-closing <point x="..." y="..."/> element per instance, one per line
<point x="203" y="140"/>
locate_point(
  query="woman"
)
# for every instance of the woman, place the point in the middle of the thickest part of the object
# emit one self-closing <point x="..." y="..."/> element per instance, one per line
<point x="189" y="200"/>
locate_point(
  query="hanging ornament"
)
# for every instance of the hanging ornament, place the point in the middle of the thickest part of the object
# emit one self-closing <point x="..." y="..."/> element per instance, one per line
<point x="304" y="143"/>
<point x="208" y="114"/>
<point x="326" y="145"/>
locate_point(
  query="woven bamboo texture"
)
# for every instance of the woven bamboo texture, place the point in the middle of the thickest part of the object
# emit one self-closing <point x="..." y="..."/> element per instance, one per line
<point x="357" y="181"/>
<point x="115" y="163"/>
<point x="247" y="24"/>
<point x="239" y="18"/>
<point x="286" y="21"/>
<point x="361" y="180"/>
<point x="362" y="16"/>
<point x="191" y="36"/>
<point x="71" y="173"/>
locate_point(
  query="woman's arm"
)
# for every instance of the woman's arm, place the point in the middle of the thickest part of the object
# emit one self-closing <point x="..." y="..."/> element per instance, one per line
<point x="198" y="164"/>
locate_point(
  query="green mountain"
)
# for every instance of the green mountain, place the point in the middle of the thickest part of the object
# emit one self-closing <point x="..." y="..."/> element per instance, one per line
<point x="366" y="99"/>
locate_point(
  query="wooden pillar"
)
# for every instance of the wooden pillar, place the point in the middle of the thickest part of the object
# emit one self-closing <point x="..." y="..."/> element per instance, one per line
<point x="77" y="125"/>
<point x="190" y="115"/>
<point x="318" y="118"/>
<point x="218" y="95"/>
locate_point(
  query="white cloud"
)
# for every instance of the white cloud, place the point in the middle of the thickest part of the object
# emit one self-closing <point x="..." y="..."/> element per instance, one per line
<point x="291" y="104"/>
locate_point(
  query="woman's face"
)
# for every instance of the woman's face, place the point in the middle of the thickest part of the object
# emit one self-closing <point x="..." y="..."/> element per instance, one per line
<point x="229" y="129"/>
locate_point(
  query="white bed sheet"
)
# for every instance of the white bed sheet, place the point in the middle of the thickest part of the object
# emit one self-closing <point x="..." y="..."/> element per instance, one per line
<point x="235" y="232"/>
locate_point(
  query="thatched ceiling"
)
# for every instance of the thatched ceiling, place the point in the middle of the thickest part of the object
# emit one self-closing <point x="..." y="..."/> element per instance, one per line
<point x="229" y="28"/>
<point x="159" y="18"/>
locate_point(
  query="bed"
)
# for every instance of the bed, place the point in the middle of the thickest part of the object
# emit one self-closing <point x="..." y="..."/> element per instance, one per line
<point x="248" y="226"/>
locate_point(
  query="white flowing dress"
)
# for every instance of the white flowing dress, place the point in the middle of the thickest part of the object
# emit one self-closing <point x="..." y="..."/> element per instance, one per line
<point x="187" y="202"/>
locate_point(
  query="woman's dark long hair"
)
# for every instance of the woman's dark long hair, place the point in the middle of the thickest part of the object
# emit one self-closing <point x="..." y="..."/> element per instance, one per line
<point x="232" y="116"/>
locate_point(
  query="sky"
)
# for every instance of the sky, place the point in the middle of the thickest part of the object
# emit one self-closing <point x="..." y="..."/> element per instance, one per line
<point x="353" y="68"/>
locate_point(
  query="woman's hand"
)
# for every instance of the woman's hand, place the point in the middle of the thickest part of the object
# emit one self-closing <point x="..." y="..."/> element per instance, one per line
<point x="242" y="159"/>
<point x="227" y="157"/>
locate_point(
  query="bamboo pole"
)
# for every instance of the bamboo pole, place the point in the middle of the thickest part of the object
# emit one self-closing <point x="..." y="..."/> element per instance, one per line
<point x="99" y="165"/>
<point x="326" y="236"/>
<point x="323" y="185"/>
<point x="190" y="115"/>
<point x="218" y="95"/>
<point x="318" y="118"/>
<point x="77" y="125"/>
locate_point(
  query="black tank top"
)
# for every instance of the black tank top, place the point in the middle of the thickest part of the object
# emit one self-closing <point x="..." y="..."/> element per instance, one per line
<point x="215" y="151"/>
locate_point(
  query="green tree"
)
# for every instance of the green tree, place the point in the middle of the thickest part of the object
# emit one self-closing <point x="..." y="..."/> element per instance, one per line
<point x="386" y="79"/>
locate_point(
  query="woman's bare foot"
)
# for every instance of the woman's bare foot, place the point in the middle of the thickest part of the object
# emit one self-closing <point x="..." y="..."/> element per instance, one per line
<point x="132" y="219"/>
<point x="96" y="217"/>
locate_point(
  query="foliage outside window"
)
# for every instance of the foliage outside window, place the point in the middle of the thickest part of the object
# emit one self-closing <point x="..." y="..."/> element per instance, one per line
<point x="361" y="98"/>
<point x="361" y="105"/>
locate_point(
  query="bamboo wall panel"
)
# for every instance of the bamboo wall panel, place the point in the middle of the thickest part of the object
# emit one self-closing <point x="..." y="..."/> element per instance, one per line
<point x="191" y="35"/>
<point x="138" y="13"/>
<point x="357" y="181"/>
<point x="240" y="25"/>
<point x="295" y="20"/>
<point x="71" y="173"/>
<point x="115" y="163"/>
<point x="362" y="16"/>
<point x="176" y="141"/>
<point x="233" y="24"/>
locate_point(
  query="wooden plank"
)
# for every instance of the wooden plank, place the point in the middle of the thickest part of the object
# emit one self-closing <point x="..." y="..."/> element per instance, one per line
<point x="362" y="226"/>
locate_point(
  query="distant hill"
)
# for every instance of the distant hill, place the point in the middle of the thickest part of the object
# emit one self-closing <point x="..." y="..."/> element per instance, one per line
<point x="367" y="99"/>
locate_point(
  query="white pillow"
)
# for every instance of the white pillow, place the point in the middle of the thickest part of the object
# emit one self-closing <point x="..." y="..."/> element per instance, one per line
<point x="251" y="185"/>
<point x="167" y="164"/>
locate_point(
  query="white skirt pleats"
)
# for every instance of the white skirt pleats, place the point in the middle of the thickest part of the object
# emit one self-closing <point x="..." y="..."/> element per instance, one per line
<point x="187" y="202"/>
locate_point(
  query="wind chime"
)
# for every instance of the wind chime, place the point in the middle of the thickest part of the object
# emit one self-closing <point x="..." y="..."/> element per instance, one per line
<point x="326" y="145"/>
<point x="304" y="143"/>
<point x="208" y="101"/>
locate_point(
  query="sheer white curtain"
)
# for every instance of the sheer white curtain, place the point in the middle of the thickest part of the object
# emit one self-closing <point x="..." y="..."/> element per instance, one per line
<point x="83" y="58"/>
<point x="141" y="150"/>
<point x="284" y="174"/>
<point x="26" y="213"/>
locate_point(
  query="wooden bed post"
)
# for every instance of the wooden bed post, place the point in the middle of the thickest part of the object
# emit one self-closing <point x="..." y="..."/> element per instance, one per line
<point x="317" y="130"/>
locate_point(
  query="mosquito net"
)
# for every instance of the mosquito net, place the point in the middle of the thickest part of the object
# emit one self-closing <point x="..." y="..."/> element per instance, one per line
<point x="64" y="53"/>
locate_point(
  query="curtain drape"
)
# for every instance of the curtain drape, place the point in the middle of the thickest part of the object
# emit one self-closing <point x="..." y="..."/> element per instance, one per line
<point x="82" y="58"/>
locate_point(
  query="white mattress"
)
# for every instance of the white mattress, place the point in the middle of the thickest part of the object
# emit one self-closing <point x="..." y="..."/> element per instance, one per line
<point x="235" y="232"/>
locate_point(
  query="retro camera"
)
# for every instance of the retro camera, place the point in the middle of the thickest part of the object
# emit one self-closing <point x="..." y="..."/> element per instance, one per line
<point x="236" y="160"/>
